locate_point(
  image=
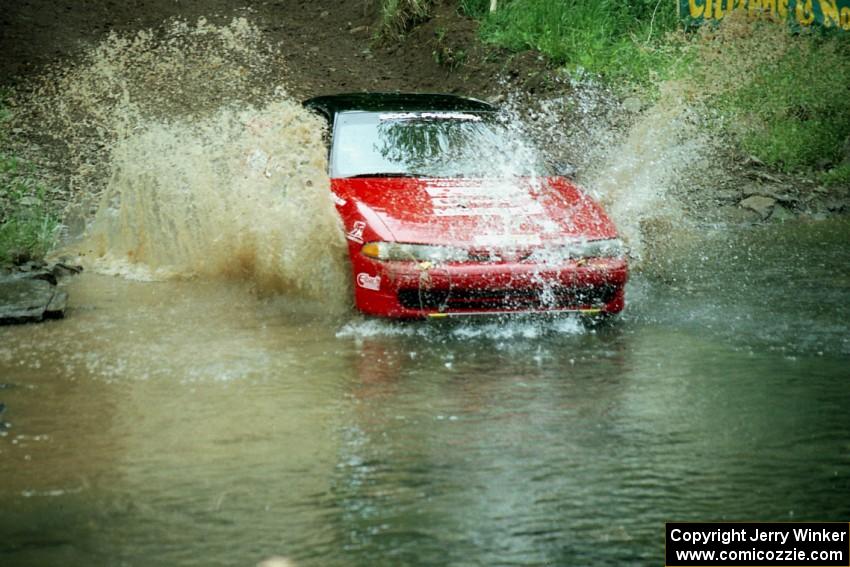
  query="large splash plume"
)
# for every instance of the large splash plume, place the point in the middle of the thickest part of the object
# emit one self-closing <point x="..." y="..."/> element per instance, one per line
<point x="638" y="159"/>
<point x="242" y="193"/>
<point x="180" y="154"/>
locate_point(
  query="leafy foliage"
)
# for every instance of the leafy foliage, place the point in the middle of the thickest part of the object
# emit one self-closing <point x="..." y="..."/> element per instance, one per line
<point x="27" y="227"/>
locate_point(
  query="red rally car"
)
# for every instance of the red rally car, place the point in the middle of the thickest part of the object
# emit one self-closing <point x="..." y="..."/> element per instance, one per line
<point x="449" y="212"/>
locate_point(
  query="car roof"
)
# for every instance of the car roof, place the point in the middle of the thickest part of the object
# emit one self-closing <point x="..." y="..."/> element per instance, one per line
<point x="329" y="105"/>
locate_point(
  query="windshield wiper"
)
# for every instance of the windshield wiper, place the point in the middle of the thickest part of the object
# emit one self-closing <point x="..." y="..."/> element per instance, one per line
<point x="390" y="174"/>
<point x="383" y="174"/>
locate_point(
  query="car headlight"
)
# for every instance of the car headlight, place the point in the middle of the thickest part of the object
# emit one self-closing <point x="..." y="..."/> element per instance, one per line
<point x="579" y="249"/>
<point x="394" y="251"/>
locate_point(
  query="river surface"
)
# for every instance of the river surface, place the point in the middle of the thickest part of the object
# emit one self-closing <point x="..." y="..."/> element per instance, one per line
<point x="195" y="423"/>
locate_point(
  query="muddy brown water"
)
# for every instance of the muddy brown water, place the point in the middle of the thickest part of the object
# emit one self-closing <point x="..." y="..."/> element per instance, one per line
<point x="194" y="423"/>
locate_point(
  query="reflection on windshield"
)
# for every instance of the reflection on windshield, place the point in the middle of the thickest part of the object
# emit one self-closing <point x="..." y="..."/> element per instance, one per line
<point x="429" y="144"/>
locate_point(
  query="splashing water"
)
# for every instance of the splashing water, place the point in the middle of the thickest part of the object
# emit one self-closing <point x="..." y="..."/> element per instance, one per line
<point x="242" y="194"/>
<point x="74" y="113"/>
<point x="634" y="163"/>
<point x="638" y="177"/>
<point x="183" y="156"/>
<point x="494" y="329"/>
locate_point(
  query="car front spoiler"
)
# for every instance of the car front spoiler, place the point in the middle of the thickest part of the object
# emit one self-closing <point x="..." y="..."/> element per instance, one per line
<point x="460" y="314"/>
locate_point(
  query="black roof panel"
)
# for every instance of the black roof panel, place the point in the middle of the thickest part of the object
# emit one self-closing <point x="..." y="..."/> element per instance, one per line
<point x="331" y="104"/>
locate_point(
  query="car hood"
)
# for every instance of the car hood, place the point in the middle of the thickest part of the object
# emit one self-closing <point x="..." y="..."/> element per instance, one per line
<point x="476" y="212"/>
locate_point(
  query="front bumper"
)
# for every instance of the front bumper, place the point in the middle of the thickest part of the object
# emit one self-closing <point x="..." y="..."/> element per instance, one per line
<point x="411" y="290"/>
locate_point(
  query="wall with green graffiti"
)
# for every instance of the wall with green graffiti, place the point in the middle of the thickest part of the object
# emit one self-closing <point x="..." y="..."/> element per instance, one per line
<point x="833" y="14"/>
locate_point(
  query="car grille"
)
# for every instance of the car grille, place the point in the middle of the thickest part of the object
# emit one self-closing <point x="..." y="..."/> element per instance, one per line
<point x="508" y="299"/>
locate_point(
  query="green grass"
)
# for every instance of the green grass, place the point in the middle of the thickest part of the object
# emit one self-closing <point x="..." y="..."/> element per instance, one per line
<point x="784" y="96"/>
<point x="798" y="109"/>
<point x="28" y="228"/>
<point x="837" y="176"/>
<point x="616" y="39"/>
<point x="398" y="16"/>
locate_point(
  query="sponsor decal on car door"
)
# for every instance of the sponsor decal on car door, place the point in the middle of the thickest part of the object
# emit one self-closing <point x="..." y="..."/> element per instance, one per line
<point x="356" y="232"/>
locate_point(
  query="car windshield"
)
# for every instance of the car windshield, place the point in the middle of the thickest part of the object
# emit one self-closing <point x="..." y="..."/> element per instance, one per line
<point x="429" y="144"/>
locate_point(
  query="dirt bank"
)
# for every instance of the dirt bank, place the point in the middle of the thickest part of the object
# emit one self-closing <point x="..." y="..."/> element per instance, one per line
<point x="329" y="46"/>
